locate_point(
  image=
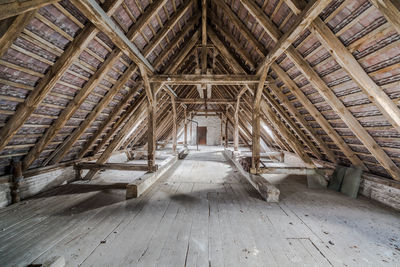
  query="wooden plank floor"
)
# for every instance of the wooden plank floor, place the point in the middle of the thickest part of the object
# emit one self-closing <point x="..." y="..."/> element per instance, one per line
<point x="200" y="214"/>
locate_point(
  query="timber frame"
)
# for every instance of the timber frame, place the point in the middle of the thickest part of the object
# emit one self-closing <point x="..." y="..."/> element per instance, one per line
<point x="301" y="77"/>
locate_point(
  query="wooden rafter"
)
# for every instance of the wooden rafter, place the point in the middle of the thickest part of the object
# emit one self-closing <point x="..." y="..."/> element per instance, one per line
<point x="147" y="51"/>
<point x="172" y="67"/>
<point x="44" y="86"/>
<point x="193" y="79"/>
<point x="14" y="28"/>
<point x="391" y="10"/>
<point x="59" y="153"/>
<point x="87" y="89"/>
<point x="104" y="23"/>
<point x="286" y="118"/>
<point x="117" y="139"/>
<point x="347" y="61"/>
<point x="305" y="18"/>
<point x="302" y="98"/>
<point x="206" y="101"/>
<point x="47" y="82"/>
<point x="325" y="125"/>
<point x="117" y="111"/>
<point x="11" y="8"/>
<point x="281" y="97"/>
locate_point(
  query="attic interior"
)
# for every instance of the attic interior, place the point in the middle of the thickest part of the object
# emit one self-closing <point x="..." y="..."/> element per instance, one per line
<point x="199" y="133"/>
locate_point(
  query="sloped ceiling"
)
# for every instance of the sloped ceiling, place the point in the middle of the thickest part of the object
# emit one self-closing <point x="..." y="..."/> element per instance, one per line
<point x="66" y="90"/>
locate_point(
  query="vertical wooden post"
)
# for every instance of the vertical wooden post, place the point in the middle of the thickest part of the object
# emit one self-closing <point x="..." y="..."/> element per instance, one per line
<point x="191" y="130"/>
<point x="236" y="127"/>
<point x="204" y="36"/>
<point x="226" y="131"/>
<point x="185" y="127"/>
<point x="222" y="131"/>
<point x="16" y="180"/>
<point x="256" y="127"/>
<point x="151" y="134"/>
<point x="174" y="132"/>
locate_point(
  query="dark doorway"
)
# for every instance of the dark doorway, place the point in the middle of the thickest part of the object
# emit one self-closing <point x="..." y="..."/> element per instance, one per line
<point x="202" y="135"/>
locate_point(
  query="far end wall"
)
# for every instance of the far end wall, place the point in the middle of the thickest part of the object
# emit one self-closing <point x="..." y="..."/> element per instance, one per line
<point x="213" y="125"/>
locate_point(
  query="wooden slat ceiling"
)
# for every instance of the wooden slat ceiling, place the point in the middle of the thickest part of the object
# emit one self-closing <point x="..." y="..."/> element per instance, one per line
<point x="66" y="89"/>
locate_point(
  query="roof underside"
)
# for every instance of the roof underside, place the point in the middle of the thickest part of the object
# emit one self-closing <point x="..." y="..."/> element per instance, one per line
<point x="168" y="34"/>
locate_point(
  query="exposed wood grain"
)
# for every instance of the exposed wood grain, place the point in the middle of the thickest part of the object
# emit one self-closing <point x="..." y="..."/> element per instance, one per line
<point x="14" y="28"/>
<point x="103" y="22"/>
<point x="307" y="16"/>
<point x="347" y="61"/>
<point x="391" y="10"/>
<point x="11" y="8"/>
<point x="344" y="113"/>
<point x="331" y="156"/>
<point x="193" y="79"/>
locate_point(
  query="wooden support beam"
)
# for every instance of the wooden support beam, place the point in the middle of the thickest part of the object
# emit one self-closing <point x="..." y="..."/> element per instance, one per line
<point x="148" y="88"/>
<point x="286" y="118"/>
<point x="203" y="36"/>
<point x="256" y="126"/>
<point x="117" y="140"/>
<point x="119" y="123"/>
<point x="288" y="136"/>
<point x="11" y="8"/>
<point x="347" y="61"/>
<point x="245" y="56"/>
<point x="236" y="120"/>
<point x="16" y="182"/>
<point x="223" y="50"/>
<point x="167" y="27"/>
<point x="150" y="11"/>
<point x="112" y="166"/>
<point x="226" y="131"/>
<point x="241" y="26"/>
<point x="286" y="40"/>
<point x="111" y="118"/>
<point x="191" y="130"/>
<point x="44" y="86"/>
<point x="140" y="186"/>
<point x="11" y="28"/>
<point x="174" y="125"/>
<point x="200" y="101"/>
<point x="282" y="98"/>
<point x="391" y="10"/>
<point x="171" y="68"/>
<point x="258" y="14"/>
<point x="92" y="10"/>
<point x="306" y="17"/>
<point x="344" y="113"/>
<point x="325" y="125"/>
<point x="151" y="133"/>
<point x="193" y="79"/>
<point x="60" y="152"/>
<point x="185" y="143"/>
<point x="236" y="126"/>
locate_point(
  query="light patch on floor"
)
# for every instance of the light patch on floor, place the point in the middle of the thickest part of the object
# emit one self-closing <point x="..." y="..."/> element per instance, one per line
<point x="201" y="213"/>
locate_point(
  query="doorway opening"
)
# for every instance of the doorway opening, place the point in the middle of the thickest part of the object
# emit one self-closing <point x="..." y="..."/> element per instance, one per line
<point x="202" y="135"/>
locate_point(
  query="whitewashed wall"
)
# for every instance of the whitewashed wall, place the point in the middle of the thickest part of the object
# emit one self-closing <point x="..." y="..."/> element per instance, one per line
<point x="37" y="184"/>
<point x="213" y="125"/>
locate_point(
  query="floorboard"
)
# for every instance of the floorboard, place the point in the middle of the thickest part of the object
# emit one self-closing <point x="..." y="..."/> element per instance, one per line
<point x="200" y="213"/>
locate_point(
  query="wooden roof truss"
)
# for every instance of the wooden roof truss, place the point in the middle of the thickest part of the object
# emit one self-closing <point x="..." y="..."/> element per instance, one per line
<point x="78" y="76"/>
